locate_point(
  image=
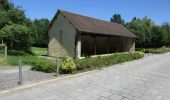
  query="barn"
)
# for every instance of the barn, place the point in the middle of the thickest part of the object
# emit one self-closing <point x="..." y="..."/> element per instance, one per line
<point x="77" y="35"/>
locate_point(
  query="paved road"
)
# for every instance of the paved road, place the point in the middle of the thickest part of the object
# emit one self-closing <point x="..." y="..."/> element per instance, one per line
<point x="145" y="79"/>
<point x="9" y="77"/>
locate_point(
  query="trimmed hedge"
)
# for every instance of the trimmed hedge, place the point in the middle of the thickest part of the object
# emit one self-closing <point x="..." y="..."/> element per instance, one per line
<point x="156" y="50"/>
<point x="104" y="61"/>
<point x="44" y="65"/>
<point x="68" y="66"/>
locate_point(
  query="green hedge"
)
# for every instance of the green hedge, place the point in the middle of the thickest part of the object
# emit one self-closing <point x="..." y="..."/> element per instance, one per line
<point x="155" y="50"/>
<point x="104" y="61"/>
<point x="44" y="65"/>
<point x="68" y="66"/>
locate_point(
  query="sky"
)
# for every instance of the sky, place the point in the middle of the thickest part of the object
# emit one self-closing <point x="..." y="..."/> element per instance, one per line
<point x="157" y="10"/>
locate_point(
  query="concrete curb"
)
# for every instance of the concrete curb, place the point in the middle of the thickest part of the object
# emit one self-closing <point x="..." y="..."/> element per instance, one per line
<point x="42" y="83"/>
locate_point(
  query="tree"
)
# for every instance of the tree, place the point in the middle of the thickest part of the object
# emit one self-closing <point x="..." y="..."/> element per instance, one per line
<point x="15" y="27"/>
<point x="156" y="40"/>
<point x="5" y="5"/>
<point x="16" y="37"/>
<point x="117" y="19"/>
<point x="142" y="28"/>
<point x="13" y="16"/>
<point x="41" y="36"/>
<point x="165" y="28"/>
<point x="134" y="19"/>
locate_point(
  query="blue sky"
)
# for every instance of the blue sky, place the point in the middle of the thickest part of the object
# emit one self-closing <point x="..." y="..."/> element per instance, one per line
<point x="157" y="10"/>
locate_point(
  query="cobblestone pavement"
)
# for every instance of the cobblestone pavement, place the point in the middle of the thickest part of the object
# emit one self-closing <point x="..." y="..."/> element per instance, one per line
<point x="144" y="79"/>
<point x="9" y="77"/>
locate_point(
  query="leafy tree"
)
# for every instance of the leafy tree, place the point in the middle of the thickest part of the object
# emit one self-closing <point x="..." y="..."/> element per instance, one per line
<point x="117" y="19"/>
<point x="13" y="16"/>
<point x="5" y="5"/>
<point x="41" y="36"/>
<point x="165" y="28"/>
<point x="134" y="19"/>
<point x="156" y="40"/>
<point x="4" y="19"/>
<point x="142" y="28"/>
<point x="16" y="37"/>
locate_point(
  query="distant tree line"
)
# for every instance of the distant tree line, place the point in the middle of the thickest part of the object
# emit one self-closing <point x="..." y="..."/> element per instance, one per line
<point x="18" y="31"/>
<point x="149" y="35"/>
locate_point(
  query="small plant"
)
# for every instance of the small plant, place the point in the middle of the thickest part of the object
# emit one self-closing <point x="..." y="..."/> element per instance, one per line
<point x="67" y="65"/>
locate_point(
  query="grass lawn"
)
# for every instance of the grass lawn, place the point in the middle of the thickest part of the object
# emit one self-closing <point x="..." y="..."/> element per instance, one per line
<point x="39" y="51"/>
<point x="26" y="58"/>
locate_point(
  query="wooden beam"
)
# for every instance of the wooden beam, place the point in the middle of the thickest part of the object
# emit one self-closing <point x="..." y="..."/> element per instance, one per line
<point x="118" y="43"/>
<point x="95" y="45"/>
<point x="108" y="51"/>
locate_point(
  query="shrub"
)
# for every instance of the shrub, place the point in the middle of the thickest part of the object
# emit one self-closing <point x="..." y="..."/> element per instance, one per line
<point x="104" y="61"/>
<point x="136" y="54"/>
<point x="67" y="65"/>
<point x="44" y="65"/>
<point x="155" y="50"/>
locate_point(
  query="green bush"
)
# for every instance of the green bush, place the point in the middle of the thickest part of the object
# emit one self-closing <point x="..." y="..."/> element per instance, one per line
<point x="155" y="50"/>
<point x="16" y="37"/>
<point x="67" y="65"/>
<point x="108" y="60"/>
<point x="161" y="50"/>
<point x="44" y="65"/>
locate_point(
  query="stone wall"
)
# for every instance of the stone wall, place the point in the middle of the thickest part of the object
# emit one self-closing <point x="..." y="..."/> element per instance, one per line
<point x="61" y="38"/>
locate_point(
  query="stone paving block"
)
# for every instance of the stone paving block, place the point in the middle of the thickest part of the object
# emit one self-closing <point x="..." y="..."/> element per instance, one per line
<point x="144" y="79"/>
<point x="9" y="77"/>
<point x="115" y="97"/>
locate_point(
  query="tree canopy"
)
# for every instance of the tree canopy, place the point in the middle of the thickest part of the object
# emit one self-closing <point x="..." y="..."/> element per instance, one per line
<point x="41" y="36"/>
<point x="148" y="34"/>
<point x="16" y="37"/>
<point x="117" y="19"/>
<point x="5" y="5"/>
<point x="30" y="33"/>
<point x="15" y="27"/>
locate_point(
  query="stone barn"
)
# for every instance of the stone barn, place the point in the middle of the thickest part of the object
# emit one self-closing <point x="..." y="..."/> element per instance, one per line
<point x="77" y="35"/>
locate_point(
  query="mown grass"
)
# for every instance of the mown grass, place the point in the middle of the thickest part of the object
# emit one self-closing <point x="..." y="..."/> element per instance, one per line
<point x="27" y="58"/>
<point x="39" y="51"/>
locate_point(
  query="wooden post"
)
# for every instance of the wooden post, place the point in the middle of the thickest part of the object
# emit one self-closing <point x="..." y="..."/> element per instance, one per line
<point x="58" y="66"/>
<point x="108" y="45"/>
<point x="118" y="43"/>
<point x="95" y="45"/>
<point x="20" y="72"/>
<point x="5" y="52"/>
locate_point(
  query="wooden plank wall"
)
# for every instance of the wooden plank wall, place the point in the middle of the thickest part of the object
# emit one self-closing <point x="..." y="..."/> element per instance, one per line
<point x="92" y="45"/>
